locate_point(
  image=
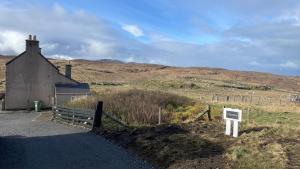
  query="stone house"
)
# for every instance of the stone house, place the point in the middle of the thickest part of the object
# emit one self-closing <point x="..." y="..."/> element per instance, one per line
<point x="32" y="77"/>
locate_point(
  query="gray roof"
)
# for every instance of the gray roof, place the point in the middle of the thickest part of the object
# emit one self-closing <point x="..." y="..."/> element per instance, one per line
<point x="72" y="88"/>
<point x="68" y="85"/>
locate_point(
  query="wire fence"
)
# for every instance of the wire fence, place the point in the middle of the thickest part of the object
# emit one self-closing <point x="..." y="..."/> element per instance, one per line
<point x="256" y="100"/>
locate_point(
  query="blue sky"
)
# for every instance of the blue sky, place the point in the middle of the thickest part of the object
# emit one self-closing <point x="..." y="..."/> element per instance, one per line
<point x="251" y="35"/>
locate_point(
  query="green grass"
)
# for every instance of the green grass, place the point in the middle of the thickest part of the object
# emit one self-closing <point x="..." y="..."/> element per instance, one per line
<point x="289" y="119"/>
<point x="254" y="115"/>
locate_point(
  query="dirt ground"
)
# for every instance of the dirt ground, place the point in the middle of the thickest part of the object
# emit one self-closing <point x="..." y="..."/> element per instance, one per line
<point x="203" y="144"/>
<point x="176" y="146"/>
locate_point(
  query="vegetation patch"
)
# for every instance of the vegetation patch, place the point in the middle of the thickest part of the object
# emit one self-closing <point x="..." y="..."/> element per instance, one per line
<point x="289" y="119"/>
<point x="108" y="83"/>
<point x="98" y="70"/>
<point x="172" y="84"/>
<point x="267" y="139"/>
<point x="201" y="144"/>
<point x="136" y="107"/>
<point x="262" y="147"/>
<point x="247" y="87"/>
<point x="188" y="113"/>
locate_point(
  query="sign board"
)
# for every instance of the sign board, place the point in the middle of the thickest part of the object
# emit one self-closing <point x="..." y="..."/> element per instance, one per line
<point x="232" y="114"/>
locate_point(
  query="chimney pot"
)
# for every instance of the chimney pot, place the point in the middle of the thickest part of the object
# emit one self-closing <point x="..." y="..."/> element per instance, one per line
<point x="32" y="45"/>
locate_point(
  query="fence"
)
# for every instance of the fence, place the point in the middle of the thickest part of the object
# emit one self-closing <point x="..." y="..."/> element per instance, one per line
<point x="74" y="116"/>
<point x="255" y="100"/>
<point x="85" y="118"/>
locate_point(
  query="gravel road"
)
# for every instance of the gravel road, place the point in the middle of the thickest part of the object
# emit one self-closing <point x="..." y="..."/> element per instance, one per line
<point x="28" y="143"/>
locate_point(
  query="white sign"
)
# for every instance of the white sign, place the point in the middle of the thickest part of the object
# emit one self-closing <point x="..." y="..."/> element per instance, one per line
<point x="232" y="116"/>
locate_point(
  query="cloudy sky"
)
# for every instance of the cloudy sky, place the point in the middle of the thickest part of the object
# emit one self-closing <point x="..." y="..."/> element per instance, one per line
<point x="255" y="35"/>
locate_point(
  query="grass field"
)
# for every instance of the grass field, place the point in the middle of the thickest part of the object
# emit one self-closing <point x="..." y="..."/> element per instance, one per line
<point x="270" y="131"/>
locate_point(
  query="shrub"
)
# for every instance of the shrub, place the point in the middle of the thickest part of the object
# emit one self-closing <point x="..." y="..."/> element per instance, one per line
<point x="136" y="106"/>
<point x="188" y="113"/>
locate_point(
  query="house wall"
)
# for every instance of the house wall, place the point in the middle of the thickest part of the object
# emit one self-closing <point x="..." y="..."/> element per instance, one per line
<point x="30" y="77"/>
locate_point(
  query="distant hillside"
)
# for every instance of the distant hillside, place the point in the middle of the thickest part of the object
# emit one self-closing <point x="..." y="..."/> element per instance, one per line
<point x="117" y="71"/>
<point x="109" y="61"/>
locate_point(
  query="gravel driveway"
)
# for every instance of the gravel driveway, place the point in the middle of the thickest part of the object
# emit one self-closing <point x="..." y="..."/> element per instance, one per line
<point x="28" y="143"/>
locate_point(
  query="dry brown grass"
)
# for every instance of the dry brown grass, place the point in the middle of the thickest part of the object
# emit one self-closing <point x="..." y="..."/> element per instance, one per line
<point x="97" y="71"/>
<point x="197" y="83"/>
<point x="136" y="107"/>
<point x="265" y="147"/>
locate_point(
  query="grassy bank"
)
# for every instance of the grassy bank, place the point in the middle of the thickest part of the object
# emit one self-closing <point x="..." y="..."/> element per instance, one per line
<point x="140" y="107"/>
<point x="267" y="139"/>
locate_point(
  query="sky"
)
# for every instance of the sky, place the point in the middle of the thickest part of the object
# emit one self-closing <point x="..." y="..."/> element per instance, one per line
<point x="248" y="35"/>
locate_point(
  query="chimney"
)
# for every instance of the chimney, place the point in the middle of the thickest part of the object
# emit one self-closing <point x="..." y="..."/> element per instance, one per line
<point x="68" y="72"/>
<point x="32" y="44"/>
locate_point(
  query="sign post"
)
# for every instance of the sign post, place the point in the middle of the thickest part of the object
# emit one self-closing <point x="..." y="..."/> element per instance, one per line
<point x="232" y="117"/>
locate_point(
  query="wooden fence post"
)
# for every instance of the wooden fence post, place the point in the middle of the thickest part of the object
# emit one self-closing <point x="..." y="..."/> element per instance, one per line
<point x="73" y="116"/>
<point x="159" y="116"/>
<point x="98" y="115"/>
<point x="248" y="114"/>
<point x="3" y="104"/>
<point x="209" y="113"/>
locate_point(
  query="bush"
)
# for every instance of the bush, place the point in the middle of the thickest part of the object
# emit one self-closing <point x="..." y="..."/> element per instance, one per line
<point x="188" y="113"/>
<point x="136" y="106"/>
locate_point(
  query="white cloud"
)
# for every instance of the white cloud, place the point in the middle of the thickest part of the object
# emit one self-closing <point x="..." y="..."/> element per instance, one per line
<point x="60" y="32"/>
<point x="155" y="37"/>
<point x="290" y="15"/>
<point x="97" y="48"/>
<point x="289" y="64"/>
<point x="255" y="63"/>
<point x="49" y="46"/>
<point x="12" y="42"/>
<point x="133" y="29"/>
<point x="259" y="46"/>
<point x="157" y="61"/>
<point x="61" y="57"/>
<point x="130" y="59"/>
<point x="58" y="9"/>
